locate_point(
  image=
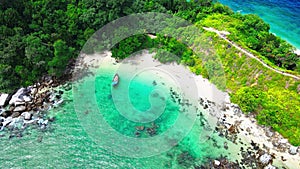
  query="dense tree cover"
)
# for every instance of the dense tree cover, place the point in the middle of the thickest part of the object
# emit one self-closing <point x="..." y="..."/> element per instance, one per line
<point x="32" y="32"/>
<point x="249" y="99"/>
<point x="130" y="45"/>
<point x="276" y="107"/>
<point x="169" y="50"/>
<point x="35" y="34"/>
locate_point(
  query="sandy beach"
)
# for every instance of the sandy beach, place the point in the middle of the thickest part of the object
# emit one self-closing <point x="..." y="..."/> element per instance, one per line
<point x="248" y="129"/>
<point x="297" y="51"/>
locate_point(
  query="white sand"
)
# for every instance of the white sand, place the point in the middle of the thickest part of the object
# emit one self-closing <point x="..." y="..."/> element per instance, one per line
<point x="297" y="51"/>
<point x="257" y="134"/>
<point x="205" y="90"/>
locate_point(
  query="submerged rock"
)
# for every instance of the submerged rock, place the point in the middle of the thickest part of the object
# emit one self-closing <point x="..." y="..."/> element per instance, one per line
<point x="7" y="121"/>
<point x="140" y="128"/>
<point x="151" y="131"/>
<point x="154" y="83"/>
<point x="185" y="159"/>
<point x="15" y="114"/>
<point x="6" y="114"/>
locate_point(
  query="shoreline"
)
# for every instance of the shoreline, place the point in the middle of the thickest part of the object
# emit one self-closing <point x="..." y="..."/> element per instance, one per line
<point x="276" y="149"/>
<point x="29" y="106"/>
<point x="232" y="121"/>
<point x="297" y="51"/>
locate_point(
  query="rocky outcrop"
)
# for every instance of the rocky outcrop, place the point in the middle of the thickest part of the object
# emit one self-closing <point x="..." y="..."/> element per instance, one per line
<point x="220" y="163"/>
<point x="3" y="98"/>
<point x="30" y="105"/>
<point x="20" y="108"/>
<point x="259" y="145"/>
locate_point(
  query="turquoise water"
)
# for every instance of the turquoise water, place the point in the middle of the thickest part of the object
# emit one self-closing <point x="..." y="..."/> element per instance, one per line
<point x="282" y="15"/>
<point x="67" y="144"/>
<point x="140" y="90"/>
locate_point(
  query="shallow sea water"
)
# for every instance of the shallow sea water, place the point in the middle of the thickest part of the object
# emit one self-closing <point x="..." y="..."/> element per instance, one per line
<point x="67" y="144"/>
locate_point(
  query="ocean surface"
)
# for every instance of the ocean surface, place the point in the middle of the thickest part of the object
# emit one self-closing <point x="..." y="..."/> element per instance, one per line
<point x="282" y="15"/>
<point x="68" y="143"/>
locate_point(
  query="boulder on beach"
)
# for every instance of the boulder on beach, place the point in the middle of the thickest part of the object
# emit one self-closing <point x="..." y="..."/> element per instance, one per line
<point x="27" y="98"/>
<point x="265" y="158"/>
<point x="269" y="133"/>
<point x="17" y="98"/>
<point x="283" y="141"/>
<point x="19" y="108"/>
<point x="33" y="91"/>
<point x="3" y="98"/>
<point x="293" y="150"/>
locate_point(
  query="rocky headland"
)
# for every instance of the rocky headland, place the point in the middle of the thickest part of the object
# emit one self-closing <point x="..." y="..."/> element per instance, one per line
<point x="29" y="106"/>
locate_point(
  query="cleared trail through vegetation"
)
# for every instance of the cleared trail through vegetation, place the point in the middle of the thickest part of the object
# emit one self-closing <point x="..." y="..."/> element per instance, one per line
<point x="222" y="34"/>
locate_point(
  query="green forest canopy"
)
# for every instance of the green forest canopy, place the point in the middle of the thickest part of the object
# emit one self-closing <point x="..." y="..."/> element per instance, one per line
<point x="40" y="37"/>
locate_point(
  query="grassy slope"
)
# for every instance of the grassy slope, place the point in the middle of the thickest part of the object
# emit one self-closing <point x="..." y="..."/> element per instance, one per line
<point x="281" y="91"/>
<point x="230" y="24"/>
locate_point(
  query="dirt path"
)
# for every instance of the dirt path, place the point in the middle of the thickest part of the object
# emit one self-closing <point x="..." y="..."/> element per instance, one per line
<point x="222" y="34"/>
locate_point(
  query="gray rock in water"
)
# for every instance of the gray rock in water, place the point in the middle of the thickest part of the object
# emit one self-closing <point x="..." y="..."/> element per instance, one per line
<point x="19" y="108"/>
<point x="1" y="111"/>
<point x="7" y="121"/>
<point x="15" y="114"/>
<point x="6" y="114"/>
<point x="217" y="163"/>
<point x="27" y="115"/>
<point x="265" y="159"/>
<point x="45" y="122"/>
<point x="293" y="150"/>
